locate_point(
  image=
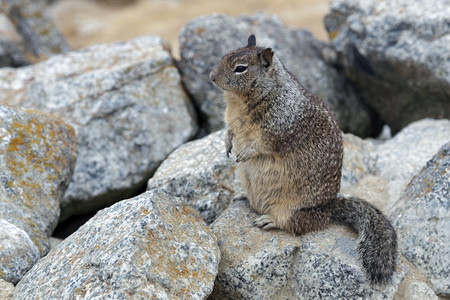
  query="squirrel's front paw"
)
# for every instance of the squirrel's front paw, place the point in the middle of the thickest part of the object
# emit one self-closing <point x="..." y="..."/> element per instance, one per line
<point x="265" y="222"/>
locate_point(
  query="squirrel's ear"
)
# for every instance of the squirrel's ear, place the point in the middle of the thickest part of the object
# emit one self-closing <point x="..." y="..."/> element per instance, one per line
<point x="251" y="41"/>
<point x="266" y="57"/>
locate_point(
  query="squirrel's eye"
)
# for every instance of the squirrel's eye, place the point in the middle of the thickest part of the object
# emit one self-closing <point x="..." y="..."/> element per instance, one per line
<point x="240" y="69"/>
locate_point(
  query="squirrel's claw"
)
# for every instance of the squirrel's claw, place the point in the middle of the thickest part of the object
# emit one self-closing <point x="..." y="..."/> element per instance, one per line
<point x="264" y="222"/>
<point x="229" y="142"/>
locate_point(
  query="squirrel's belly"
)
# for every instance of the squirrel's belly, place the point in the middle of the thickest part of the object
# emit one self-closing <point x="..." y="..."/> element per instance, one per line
<point x="268" y="183"/>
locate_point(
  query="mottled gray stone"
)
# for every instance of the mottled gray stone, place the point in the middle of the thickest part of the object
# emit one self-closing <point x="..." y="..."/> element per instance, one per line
<point x="379" y="171"/>
<point x="6" y="290"/>
<point x="147" y="247"/>
<point x="416" y="290"/>
<point x="259" y="264"/>
<point x="127" y="106"/>
<point x="37" y="158"/>
<point x="358" y="160"/>
<point x="202" y="174"/>
<point x="422" y="219"/>
<point x="205" y="40"/>
<point x="12" y="48"/>
<point x="402" y="157"/>
<point x="39" y="37"/>
<point x="397" y="55"/>
<point x="17" y="251"/>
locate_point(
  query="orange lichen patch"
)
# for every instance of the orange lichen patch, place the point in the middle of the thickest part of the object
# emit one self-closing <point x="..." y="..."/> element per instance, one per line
<point x="35" y="148"/>
<point x="144" y="211"/>
<point x="429" y="186"/>
<point x="40" y="155"/>
<point x="200" y="30"/>
<point x="333" y="34"/>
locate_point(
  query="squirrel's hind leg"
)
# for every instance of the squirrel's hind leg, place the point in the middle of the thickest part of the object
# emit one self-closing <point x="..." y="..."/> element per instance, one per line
<point x="304" y="220"/>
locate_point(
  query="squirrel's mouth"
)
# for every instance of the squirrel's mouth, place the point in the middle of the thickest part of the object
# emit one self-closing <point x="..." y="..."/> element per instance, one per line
<point x="213" y="78"/>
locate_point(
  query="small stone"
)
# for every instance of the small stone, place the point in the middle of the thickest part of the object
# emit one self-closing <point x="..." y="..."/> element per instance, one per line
<point x="39" y="37"/>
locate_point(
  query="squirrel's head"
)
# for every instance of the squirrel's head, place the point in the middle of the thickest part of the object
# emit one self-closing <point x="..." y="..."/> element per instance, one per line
<point x="244" y="69"/>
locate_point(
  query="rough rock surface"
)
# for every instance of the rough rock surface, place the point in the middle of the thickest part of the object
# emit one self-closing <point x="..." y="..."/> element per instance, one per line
<point x="37" y="158"/>
<point x="396" y="55"/>
<point x="6" y="290"/>
<point x="379" y="171"/>
<point x="148" y="246"/>
<point x="358" y="160"/>
<point x="12" y="52"/>
<point x="35" y="34"/>
<point x="126" y="104"/>
<point x="403" y="156"/>
<point x="259" y="264"/>
<point x="205" y="40"/>
<point x="422" y="219"/>
<point x="18" y="252"/>
<point x="201" y="174"/>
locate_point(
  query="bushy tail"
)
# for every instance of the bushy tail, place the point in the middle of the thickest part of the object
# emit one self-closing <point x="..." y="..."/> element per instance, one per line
<point x="377" y="242"/>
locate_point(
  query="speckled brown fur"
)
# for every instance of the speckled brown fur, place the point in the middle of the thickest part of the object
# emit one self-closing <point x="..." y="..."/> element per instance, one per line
<point x="289" y="151"/>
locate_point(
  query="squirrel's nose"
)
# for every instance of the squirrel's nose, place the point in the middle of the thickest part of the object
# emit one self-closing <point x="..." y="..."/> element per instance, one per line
<point x="212" y="76"/>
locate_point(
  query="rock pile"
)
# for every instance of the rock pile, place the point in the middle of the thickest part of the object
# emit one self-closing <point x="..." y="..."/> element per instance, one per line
<point x="82" y="130"/>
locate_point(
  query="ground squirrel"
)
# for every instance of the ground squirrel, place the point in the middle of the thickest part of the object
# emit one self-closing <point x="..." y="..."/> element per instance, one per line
<point x="289" y="154"/>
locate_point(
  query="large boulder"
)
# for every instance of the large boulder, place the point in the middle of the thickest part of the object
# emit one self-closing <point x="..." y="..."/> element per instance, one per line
<point x="31" y="34"/>
<point x="396" y="54"/>
<point x="258" y="264"/>
<point x="400" y="158"/>
<point x="422" y="219"/>
<point x="379" y="171"/>
<point x="127" y="106"/>
<point x="37" y="158"/>
<point x="205" y="40"/>
<point x="147" y="247"/>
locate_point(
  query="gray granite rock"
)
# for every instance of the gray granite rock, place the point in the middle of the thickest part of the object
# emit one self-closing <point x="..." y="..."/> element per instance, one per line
<point x="259" y="264"/>
<point x="127" y="106"/>
<point x="17" y="251"/>
<point x="422" y="219"/>
<point x="12" y="48"/>
<point x="397" y="55"/>
<point x="205" y="40"/>
<point x="358" y="160"/>
<point x="39" y="37"/>
<point x="147" y="247"/>
<point x="201" y="174"/>
<point x="6" y="290"/>
<point x="37" y="158"/>
<point x="379" y="171"/>
<point x="399" y="159"/>
<point x="415" y="290"/>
